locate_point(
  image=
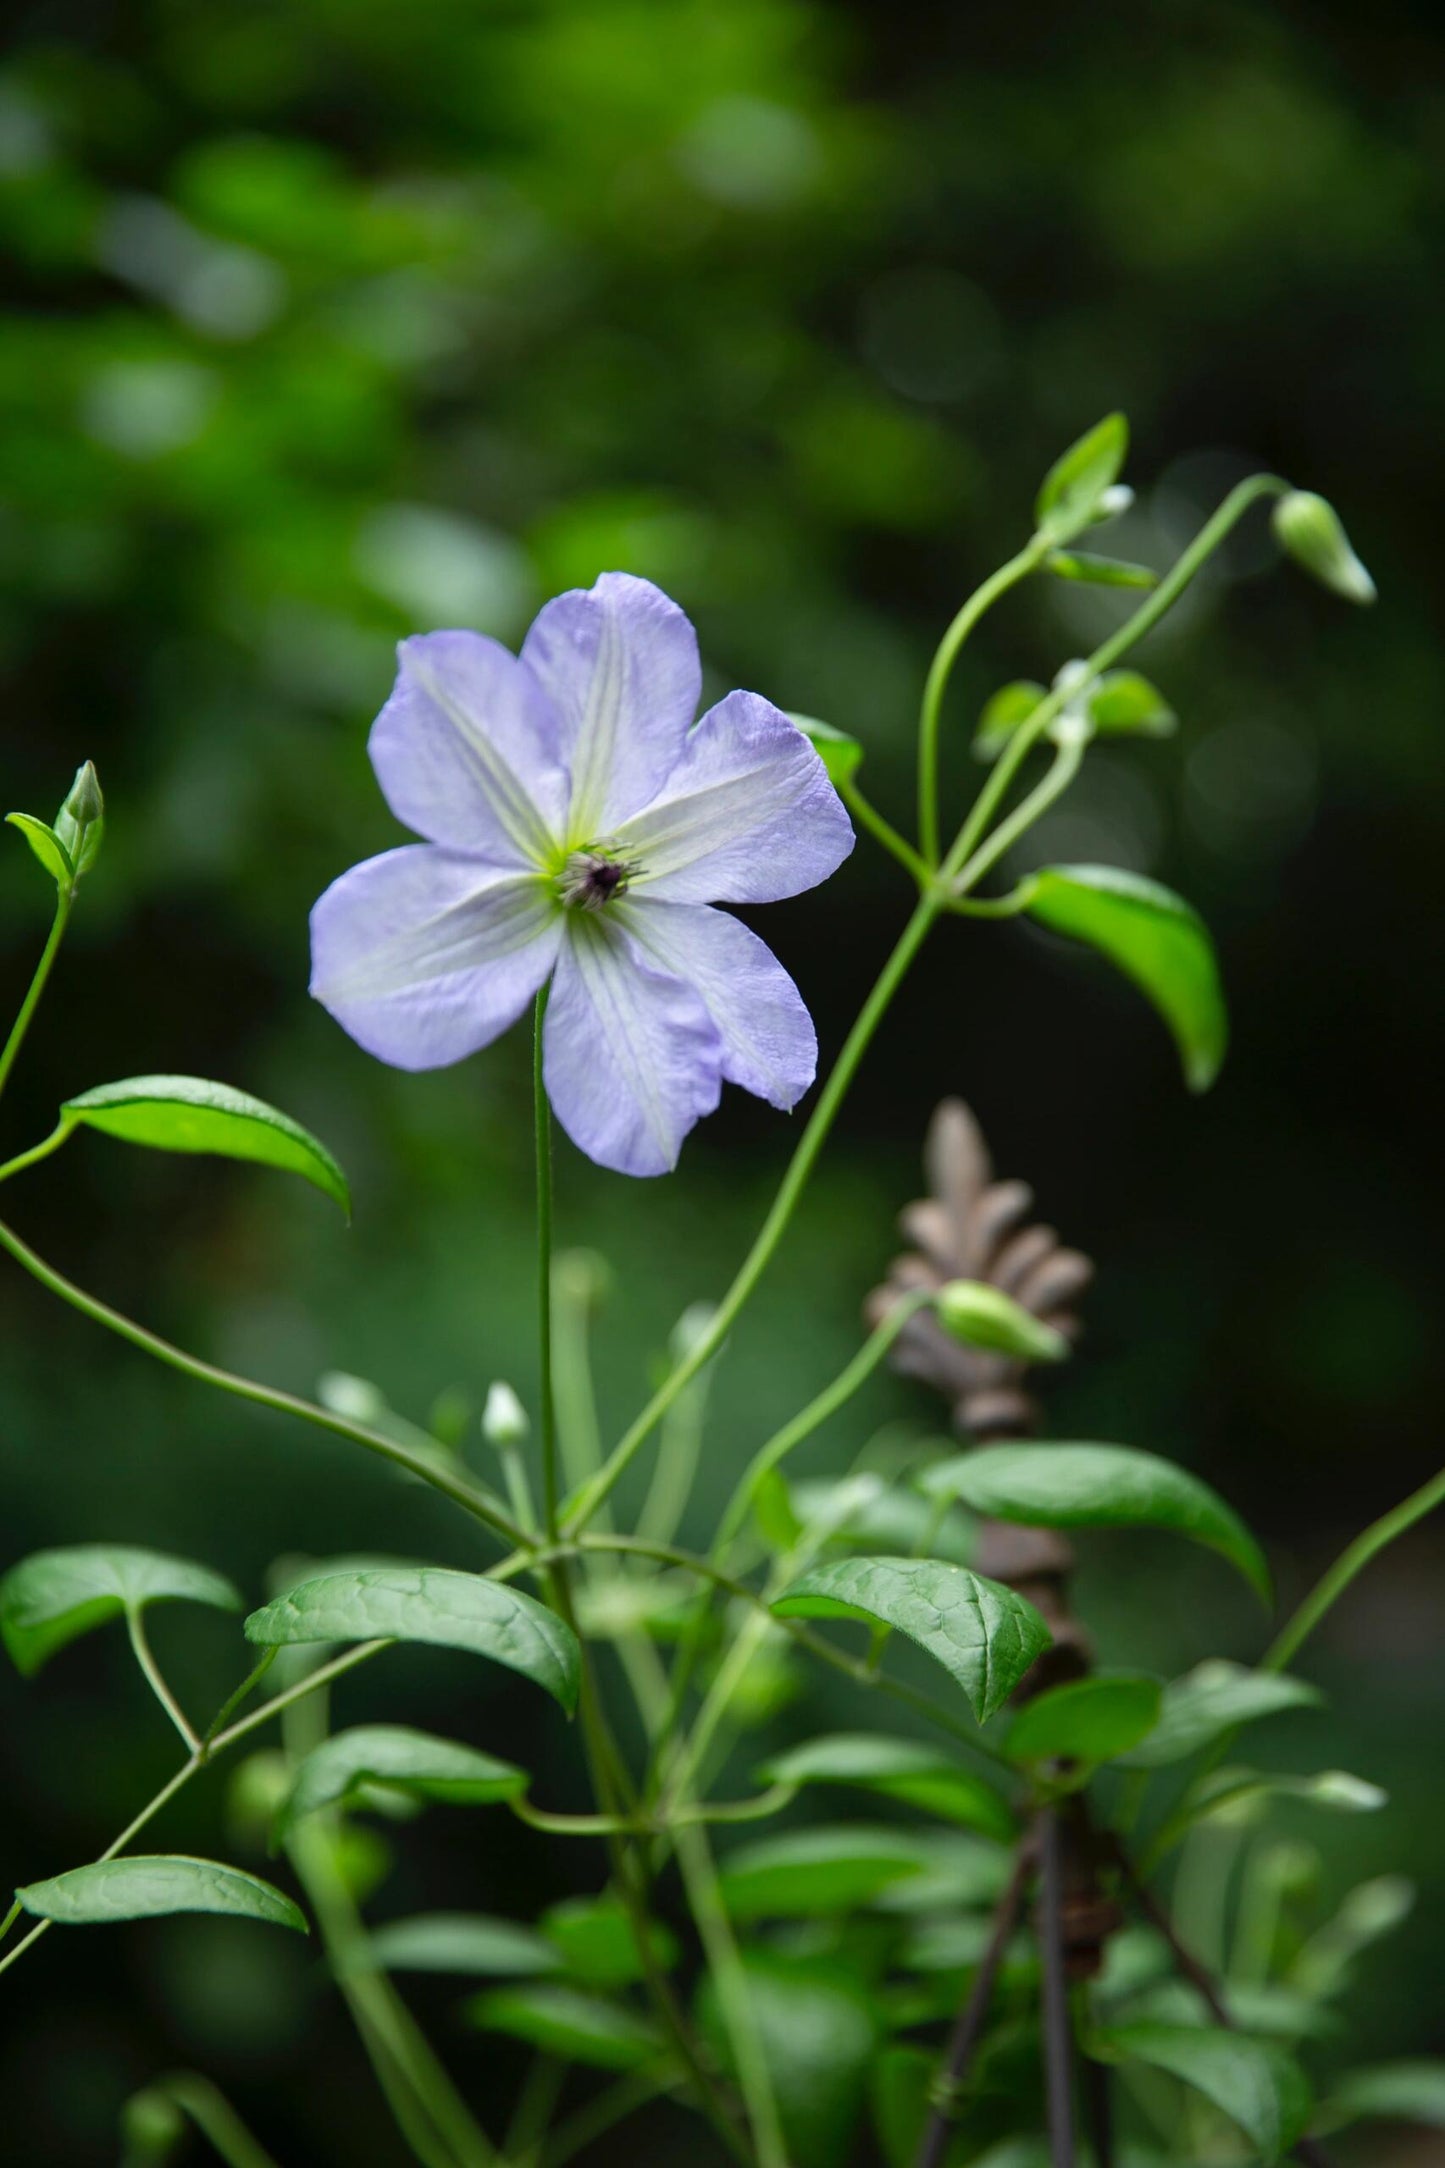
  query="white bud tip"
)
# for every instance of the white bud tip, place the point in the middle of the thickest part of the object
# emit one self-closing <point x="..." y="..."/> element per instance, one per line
<point x="504" y="1419"/>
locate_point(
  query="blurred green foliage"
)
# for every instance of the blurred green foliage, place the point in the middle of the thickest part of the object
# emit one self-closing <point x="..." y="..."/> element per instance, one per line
<point x="333" y="321"/>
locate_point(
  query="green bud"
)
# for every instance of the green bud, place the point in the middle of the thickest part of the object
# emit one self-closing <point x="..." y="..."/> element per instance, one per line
<point x="80" y="823"/>
<point x="984" y="1316"/>
<point x="1308" y="529"/>
<point x="152" y="2126"/>
<point x="504" y="1419"/>
<point x="255" y="1791"/>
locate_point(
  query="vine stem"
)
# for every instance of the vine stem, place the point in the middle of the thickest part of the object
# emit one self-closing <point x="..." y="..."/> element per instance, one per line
<point x="968" y="2026"/>
<point x="135" y="1627"/>
<point x="65" y="898"/>
<point x="1028" y="559"/>
<point x="215" y="2119"/>
<point x="1347" y="1568"/>
<point x="546" y="1399"/>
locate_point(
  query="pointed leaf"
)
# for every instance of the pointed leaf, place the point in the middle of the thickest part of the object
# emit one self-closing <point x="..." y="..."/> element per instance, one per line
<point x="1241" y="1793"/>
<point x="904" y="1769"/>
<point x="395" y="1759"/>
<point x="1011" y="705"/>
<point x="190" y="1114"/>
<point x="984" y="1635"/>
<point x="564" y="2022"/>
<point x="1098" y="571"/>
<point x="1076" y="482"/>
<point x="841" y="755"/>
<point x="1123" y="700"/>
<point x="432" y="1604"/>
<point x="1211" y="1700"/>
<point x="1403" y="2092"/>
<point x="805" y="1872"/>
<point x="1086" y="1720"/>
<point x="53" y="1596"/>
<point x="1155" y="939"/>
<point x="595" y="1940"/>
<point x="818" y="2031"/>
<point x="463" y="1942"/>
<point x="1097" y="1486"/>
<point x="144" y="1888"/>
<point x="46" y="845"/>
<point x="1254" y="2083"/>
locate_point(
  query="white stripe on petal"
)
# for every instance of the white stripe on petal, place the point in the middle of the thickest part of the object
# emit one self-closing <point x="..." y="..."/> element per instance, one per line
<point x="619" y="664"/>
<point x="424" y="956"/>
<point x="631" y="1057"/>
<point x="748" y="814"/>
<point x="769" y="1045"/>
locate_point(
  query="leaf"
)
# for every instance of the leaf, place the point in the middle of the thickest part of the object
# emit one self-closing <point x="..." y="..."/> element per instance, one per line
<point x="904" y="1769"/>
<point x="955" y="1868"/>
<point x="344" y="1766"/>
<point x="818" y="2034"/>
<point x="1368" y="1913"/>
<point x="1253" y="2082"/>
<point x="805" y="1872"/>
<point x="1097" y="1486"/>
<point x="596" y="1942"/>
<point x="190" y="1114"/>
<point x="46" y="845"/>
<point x="139" y="1888"/>
<point x="52" y="1597"/>
<point x="984" y="1635"/>
<point x="562" y="2021"/>
<point x="1076" y="481"/>
<point x="463" y="1942"/>
<point x="1011" y="705"/>
<point x="1123" y="700"/>
<point x="1155" y="939"/>
<point x="432" y="1604"/>
<point x="841" y="755"/>
<point x="1403" y="2092"/>
<point x="1087" y="1720"/>
<point x="1211" y="1700"/>
<point x="1239" y="1793"/>
<point x="1098" y="571"/>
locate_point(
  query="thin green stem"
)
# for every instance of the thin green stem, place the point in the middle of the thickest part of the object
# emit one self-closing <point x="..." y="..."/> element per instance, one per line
<point x="1008" y="575"/>
<point x="599" y="2115"/>
<point x="324" y="1675"/>
<point x="1066" y="763"/>
<point x="64" y="1128"/>
<point x="229" y="1707"/>
<point x="816" y="1413"/>
<point x="435" y="1473"/>
<point x="65" y="898"/>
<point x="135" y="1626"/>
<point x="215" y="2118"/>
<point x="883" y="831"/>
<point x="10" y="1918"/>
<point x="542" y="1138"/>
<point x="1347" y="1568"/>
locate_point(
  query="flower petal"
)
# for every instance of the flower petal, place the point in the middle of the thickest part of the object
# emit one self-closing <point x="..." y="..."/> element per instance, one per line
<point x="631" y="1056"/>
<point x="769" y="1045"/>
<point x="424" y="956"/>
<point x="467" y="750"/>
<point x="746" y="816"/>
<point x="619" y="664"/>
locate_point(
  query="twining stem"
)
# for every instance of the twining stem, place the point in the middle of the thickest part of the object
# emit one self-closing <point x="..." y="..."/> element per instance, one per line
<point x="969" y="2024"/>
<point x="1008" y="575"/>
<point x="435" y="1473"/>
<point x="64" y="1128"/>
<point x="882" y="831"/>
<point x="135" y="1626"/>
<point x="214" y="2117"/>
<point x="65" y="897"/>
<point x="1348" y="1566"/>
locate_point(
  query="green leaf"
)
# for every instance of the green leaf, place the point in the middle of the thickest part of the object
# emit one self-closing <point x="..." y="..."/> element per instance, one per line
<point x="984" y="1635"/>
<point x="463" y="1942"/>
<point x="1403" y="2092"/>
<point x="841" y="755"/>
<point x="1123" y="700"/>
<point x="595" y="1940"/>
<point x="1254" y="2083"/>
<point x="1087" y="1720"/>
<point x="390" y="1757"/>
<point x="1155" y="939"/>
<point x="903" y="1769"/>
<point x="1239" y="1794"/>
<point x="1097" y="1486"/>
<point x="1371" y="1911"/>
<point x="1211" y="1700"/>
<point x="46" y="845"/>
<point x="804" y="1872"/>
<point x="818" y="2033"/>
<point x="1011" y="705"/>
<point x="1077" y="481"/>
<point x="982" y="1315"/>
<point x="956" y="1870"/>
<point x="190" y="1114"/>
<point x="139" y="1888"/>
<point x="433" y="1604"/>
<point x="1309" y="529"/>
<point x="1098" y="571"/>
<point x="562" y="2021"/>
<point x="53" y="1596"/>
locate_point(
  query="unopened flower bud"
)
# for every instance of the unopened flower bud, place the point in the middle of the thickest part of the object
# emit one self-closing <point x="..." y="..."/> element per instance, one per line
<point x="1116" y="498"/>
<point x="504" y="1419"/>
<point x="984" y="1316"/>
<point x="1308" y="528"/>
<point x="153" y="2127"/>
<point x="80" y="823"/>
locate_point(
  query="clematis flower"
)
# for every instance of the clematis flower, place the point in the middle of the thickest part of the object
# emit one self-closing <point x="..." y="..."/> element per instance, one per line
<point x="579" y="828"/>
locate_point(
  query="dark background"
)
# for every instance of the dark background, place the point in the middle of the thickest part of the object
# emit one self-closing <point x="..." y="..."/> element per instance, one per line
<point x="334" y="321"/>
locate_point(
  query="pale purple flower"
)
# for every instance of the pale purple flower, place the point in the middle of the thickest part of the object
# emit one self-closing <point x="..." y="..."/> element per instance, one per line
<point x="578" y="828"/>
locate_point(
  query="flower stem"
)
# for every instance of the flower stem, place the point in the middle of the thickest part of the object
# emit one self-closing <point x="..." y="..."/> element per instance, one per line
<point x="135" y="1626"/>
<point x="930" y="718"/>
<point x="1348" y="1566"/>
<point x="547" y="1410"/>
<point x="65" y="897"/>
